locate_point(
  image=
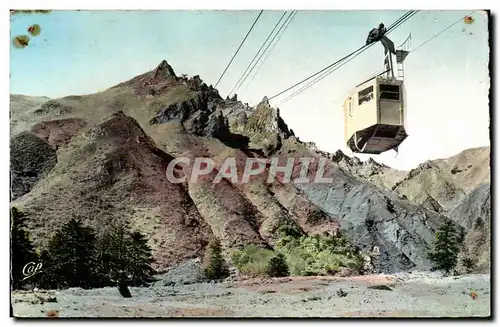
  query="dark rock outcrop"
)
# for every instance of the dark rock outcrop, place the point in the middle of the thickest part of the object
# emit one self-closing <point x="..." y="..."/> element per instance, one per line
<point x="164" y="72"/>
<point x="30" y="159"/>
<point x="201" y="116"/>
<point x="184" y="111"/>
<point x="53" y="107"/>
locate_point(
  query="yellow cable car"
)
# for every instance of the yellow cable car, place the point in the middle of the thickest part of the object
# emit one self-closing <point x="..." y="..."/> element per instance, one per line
<point x="375" y="110"/>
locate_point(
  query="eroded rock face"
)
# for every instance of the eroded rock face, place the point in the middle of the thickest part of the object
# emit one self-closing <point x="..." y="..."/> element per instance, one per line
<point x="58" y="132"/>
<point x="372" y="217"/>
<point x="379" y="174"/>
<point x="474" y="214"/>
<point x="446" y="181"/>
<point x="31" y="158"/>
<point x="242" y="213"/>
<point x="477" y="204"/>
<point x="368" y="216"/>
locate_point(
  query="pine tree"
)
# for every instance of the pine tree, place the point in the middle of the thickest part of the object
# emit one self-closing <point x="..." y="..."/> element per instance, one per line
<point x="140" y="260"/>
<point x="277" y="266"/>
<point x="22" y="251"/>
<point x="48" y="279"/>
<point x="215" y="266"/>
<point x="113" y="254"/>
<point x="70" y="257"/>
<point x="124" y="257"/>
<point x="446" y="248"/>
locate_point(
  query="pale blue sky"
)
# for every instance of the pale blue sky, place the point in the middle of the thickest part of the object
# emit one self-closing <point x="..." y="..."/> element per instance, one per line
<point x="447" y="79"/>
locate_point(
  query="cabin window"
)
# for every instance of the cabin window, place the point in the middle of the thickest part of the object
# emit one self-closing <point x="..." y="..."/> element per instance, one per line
<point x="389" y="92"/>
<point x="365" y="95"/>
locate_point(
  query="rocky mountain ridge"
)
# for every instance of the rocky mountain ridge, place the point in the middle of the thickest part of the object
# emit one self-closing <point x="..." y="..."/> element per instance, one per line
<point x="106" y="156"/>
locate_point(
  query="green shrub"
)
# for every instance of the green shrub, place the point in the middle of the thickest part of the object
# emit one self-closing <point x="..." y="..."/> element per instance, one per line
<point x="252" y="260"/>
<point x="289" y="229"/>
<point x="320" y="255"/>
<point x="304" y="255"/>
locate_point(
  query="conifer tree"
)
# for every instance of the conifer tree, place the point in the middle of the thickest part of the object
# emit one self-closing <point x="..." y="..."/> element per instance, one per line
<point x="277" y="266"/>
<point x="124" y="257"/>
<point x="112" y="254"/>
<point x="140" y="259"/>
<point x="70" y="257"/>
<point x="22" y="251"/>
<point x="215" y="266"/>
<point x="446" y="248"/>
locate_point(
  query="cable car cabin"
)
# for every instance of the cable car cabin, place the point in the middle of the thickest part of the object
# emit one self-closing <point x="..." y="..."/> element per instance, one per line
<point x="375" y="116"/>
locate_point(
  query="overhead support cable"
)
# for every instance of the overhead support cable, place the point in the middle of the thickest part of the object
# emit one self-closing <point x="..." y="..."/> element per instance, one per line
<point x="332" y="67"/>
<point x="241" y="44"/>
<point x="412" y="51"/>
<point x="244" y="75"/>
<point x="273" y="46"/>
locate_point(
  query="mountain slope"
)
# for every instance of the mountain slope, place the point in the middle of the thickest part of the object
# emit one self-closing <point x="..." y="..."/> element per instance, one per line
<point x="446" y="181"/>
<point x="474" y="214"/>
<point x="113" y="149"/>
<point x="113" y="171"/>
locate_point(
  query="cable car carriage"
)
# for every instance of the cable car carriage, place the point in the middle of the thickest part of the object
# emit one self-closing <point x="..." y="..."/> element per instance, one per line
<point x="375" y="110"/>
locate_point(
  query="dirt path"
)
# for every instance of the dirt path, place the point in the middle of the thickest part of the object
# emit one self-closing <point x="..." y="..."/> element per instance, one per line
<point x="403" y="296"/>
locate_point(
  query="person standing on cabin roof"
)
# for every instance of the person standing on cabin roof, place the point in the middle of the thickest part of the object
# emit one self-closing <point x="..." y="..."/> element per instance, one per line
<point x="376" y="34"/>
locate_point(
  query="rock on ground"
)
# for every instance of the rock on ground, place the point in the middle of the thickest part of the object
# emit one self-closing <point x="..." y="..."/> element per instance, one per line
<point x="188" y="272"/>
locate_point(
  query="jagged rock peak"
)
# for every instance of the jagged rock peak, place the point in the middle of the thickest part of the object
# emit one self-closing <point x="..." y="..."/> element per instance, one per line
<point x="164" y="71"/>
<point x="428" y="164"/>
<point x="311" y="145"/>
<point x="271" y="119"/>
<point x="264" y="106"/>
<point x="372" y="162"/>
<point x="265" y="101"/>
<point x="341" y="155"/>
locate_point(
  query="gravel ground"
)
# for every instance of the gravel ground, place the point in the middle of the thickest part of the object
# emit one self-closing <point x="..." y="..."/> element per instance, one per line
<point x="409" y="295"/>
